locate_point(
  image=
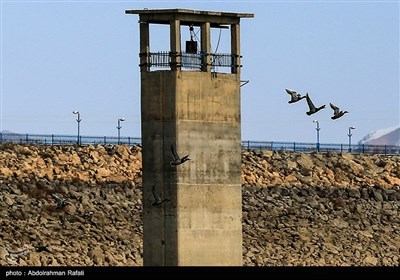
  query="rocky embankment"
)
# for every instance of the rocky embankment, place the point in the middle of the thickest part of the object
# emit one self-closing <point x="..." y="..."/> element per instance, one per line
<point x="298" y="209"/>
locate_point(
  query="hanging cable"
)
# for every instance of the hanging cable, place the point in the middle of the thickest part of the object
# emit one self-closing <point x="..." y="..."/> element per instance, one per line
<point x="213" y="66"/>
<point x="219" y="39"/>
<point x="191" y="30"/>
<point x="197" y="39"/>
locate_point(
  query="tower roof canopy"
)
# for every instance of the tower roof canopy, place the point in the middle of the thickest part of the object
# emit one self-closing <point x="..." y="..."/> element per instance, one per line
<point x="189" y="17"/>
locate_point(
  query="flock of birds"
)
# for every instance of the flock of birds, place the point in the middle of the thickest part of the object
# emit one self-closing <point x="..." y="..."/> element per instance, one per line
<point x="61" y="203"/>
<point x="176" y="160"/>
<point x="295" y="97"/>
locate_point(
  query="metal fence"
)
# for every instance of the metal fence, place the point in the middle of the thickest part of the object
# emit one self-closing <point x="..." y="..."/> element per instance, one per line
<point x="313" y="147"/>
<point x="164" y="59"/>
<point x="52" y="139"/>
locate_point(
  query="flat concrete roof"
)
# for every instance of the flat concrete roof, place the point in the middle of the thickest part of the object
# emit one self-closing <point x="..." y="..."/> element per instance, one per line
<point x="189" y="17"/>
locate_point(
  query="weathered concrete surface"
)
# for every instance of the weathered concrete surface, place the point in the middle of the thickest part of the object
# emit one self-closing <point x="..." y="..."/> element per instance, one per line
<point x="347" y="214"/>
<point x="196" y="112"/>
<point x="200" y="116"/>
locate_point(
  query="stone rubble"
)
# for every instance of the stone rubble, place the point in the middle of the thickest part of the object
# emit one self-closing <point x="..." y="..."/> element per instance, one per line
<point x="299" y="209"/>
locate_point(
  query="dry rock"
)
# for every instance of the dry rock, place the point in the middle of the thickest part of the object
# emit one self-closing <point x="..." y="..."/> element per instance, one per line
<point x="298" y="209"/>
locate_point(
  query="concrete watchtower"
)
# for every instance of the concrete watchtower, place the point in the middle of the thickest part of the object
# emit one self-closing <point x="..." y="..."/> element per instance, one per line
<point x="196" y="110"/>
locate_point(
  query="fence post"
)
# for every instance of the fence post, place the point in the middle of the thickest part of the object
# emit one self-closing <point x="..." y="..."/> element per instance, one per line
<point x="363" y="148"/>
<point x="385" y="149"/>
<point x="105" y="142"/>
<point x="129" y="141"/>
<point x="27" y="141"/>
<point x="341" y="148"/>
<point x="248" y="145"/>
<point x="294" y="146"/>
<point x="52" y="139"/>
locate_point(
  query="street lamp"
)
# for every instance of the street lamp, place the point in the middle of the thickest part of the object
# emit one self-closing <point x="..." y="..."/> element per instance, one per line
<point x="349" y="134"/>
<point x="318" y="129"/>
<point x="119" y="128"/>
<point x="78" y="119"/>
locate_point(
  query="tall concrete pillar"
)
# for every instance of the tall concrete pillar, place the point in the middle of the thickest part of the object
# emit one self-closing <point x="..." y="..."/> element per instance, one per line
<point x="205" y="47"/>
<point x="197" y="112"/>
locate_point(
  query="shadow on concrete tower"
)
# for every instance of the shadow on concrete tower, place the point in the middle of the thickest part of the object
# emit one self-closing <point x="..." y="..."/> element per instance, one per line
<point x="196" y="109"/>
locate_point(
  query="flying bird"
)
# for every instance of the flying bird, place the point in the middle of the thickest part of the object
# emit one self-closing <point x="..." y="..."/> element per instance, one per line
<point x="294" y="95"/>
<point x="42" y="248"/>
<point x="336" y="112"/>
<point x="312" y="108"/>
<point x="157" y="197"/>
<point x="59" y="201"/>
<point x="177" y="160"/>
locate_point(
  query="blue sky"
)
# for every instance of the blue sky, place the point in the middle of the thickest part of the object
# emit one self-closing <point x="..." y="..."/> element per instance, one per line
<point x="61" y="56"/>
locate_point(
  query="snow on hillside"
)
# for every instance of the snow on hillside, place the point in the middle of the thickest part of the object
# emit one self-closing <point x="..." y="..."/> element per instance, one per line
<point x="383" y="136"/>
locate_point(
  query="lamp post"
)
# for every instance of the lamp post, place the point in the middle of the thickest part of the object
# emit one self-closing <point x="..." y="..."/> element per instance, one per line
<point x="119" y="128"/>
<point x="349" y="134"/>
<point x="318" y="129"/>
<point x="78" y="120"/>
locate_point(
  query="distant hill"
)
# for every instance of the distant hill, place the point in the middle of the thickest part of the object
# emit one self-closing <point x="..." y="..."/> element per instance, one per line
<point x="384" y="136"/>
<point x="9" y="135"/>
<point x="7" y="132"/>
